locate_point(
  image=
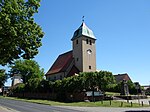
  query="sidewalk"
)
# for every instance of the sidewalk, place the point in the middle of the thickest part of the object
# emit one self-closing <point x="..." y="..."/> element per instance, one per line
<point x="145" y="101"/>
<point x="5" y="109"/>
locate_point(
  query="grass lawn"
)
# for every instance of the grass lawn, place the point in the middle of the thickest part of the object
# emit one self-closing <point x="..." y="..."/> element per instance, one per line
<point x="81" y="104"/>
<point x="112" y="94"/>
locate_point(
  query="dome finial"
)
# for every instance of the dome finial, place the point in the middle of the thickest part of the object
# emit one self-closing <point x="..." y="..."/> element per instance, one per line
<point x="82" y="18"/>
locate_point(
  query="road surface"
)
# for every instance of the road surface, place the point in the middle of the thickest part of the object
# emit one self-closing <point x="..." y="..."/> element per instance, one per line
<point x="5" y="109"/>
<point x="32" y="107"/>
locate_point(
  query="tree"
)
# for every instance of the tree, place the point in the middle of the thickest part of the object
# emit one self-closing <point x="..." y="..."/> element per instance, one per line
<point x="89" y="80"/>
<point x="3" y="77"/>
<point x="18" y="88"/>
<point x="72" y="84"/>
<point x="131" y="86"/>
<point x="105" y="79"/>
<point x="33" y="84"/>
<point x="20" y="36"/>
<point x="101" y="79"/>
<point x="28" y="69"/>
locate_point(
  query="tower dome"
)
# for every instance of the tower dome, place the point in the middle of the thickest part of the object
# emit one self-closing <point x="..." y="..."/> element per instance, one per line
<point x="83" y="30"/>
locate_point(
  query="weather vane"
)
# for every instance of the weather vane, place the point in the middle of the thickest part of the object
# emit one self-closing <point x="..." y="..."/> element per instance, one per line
<point x="82" y="18"/>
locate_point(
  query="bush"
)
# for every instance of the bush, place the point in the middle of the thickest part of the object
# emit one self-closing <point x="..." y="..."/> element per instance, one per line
<point x="18" y="88"/>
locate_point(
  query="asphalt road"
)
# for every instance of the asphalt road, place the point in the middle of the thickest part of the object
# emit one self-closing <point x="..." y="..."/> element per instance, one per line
<point x="32" y="107"/>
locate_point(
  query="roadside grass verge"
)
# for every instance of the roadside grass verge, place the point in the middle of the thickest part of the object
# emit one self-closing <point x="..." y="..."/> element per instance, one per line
<point x="112" y="94"/>
<point x="81" y="104"/>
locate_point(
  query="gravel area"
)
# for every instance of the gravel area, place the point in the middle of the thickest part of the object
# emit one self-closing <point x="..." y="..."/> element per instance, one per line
<point x="108" y="109"/>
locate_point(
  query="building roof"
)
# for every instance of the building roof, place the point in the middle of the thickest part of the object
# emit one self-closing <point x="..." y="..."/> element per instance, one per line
<point x="61" y="63"/>
<point x="74" y="70"/>
<point x="83" y="30"/>
<point x="121" y="77"/>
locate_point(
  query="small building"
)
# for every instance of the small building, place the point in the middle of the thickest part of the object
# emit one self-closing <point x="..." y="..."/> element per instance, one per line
<point x="16" y="79"/>
<point x="82" y="57"/>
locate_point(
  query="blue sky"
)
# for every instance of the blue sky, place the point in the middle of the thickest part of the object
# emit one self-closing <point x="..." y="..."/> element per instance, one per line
<point x="122" y="29"/>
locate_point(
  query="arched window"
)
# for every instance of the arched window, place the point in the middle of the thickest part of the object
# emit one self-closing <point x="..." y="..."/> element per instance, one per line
<point x="90" y="42"/>
<point x="90" y="67"/>
<point x="77" y="59"/>
<point x="87" y="41"/>
<point x="77" y="41"/>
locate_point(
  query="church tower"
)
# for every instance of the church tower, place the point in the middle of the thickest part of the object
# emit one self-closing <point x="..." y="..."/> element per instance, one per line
<point x="81" y="59"/>
<point x="84" y="52"/>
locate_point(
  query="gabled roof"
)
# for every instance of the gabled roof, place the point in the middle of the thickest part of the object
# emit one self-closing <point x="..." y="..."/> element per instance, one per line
<point x="83" y="30"/>
<point x="61" y="63"/>
<point x="74" y="70"/>
<point x="121" y="77"/>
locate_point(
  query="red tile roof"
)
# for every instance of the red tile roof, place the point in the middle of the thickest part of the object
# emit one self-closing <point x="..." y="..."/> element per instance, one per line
<point x="121" y="77"/>
<point x="61" y="63"/>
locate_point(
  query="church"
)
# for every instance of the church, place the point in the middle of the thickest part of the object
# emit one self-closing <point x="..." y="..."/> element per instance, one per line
<point x="82" y="57"/>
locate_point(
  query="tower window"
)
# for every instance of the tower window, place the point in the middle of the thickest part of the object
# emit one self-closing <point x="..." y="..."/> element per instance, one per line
<point x="87" y="41"/>
<point x="89" y="67"/>
<point x="77" y="59"/>
<point x="77" y="41"/>
<point x="90" y="42"/>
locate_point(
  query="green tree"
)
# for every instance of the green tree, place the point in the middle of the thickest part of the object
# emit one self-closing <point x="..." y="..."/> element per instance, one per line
<point x="105" y="79"/>
<point x="18" y="88"/>
<point x="89" y="80"/>
<point x="131" y="86"/>
<point x="101" y="79"/>
<point x="45" y="86"/>
<point x="33" y="85"/>
<point x="3" y="77"/>
<point x="20" y="36"/>
<point x="28" y="69"/>
<point x="72" y="84"/>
